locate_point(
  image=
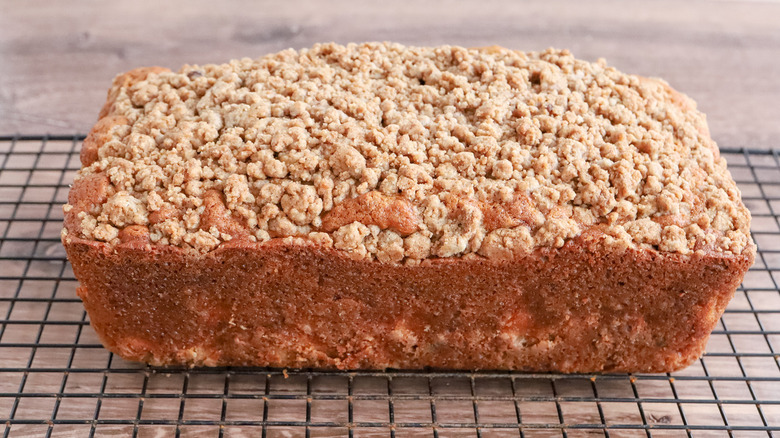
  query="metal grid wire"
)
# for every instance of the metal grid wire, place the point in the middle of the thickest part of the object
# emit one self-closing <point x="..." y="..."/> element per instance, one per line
<point x="57" y="380"/>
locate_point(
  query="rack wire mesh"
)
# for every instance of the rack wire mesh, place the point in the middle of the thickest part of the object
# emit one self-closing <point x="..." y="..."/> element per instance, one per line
<point x="57" y="380"/>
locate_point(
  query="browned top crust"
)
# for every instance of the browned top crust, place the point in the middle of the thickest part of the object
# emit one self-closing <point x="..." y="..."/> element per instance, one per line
<point x="403" y="153"/>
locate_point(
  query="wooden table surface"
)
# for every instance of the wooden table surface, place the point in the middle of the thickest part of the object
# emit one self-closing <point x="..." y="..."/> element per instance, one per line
<point x="58" y="58"/>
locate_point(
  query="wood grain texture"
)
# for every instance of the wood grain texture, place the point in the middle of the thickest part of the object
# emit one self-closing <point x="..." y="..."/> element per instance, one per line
<point x="57" y="59"/>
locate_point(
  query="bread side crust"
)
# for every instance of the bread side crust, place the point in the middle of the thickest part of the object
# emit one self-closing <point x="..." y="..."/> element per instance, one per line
<point x="291" y="303"/>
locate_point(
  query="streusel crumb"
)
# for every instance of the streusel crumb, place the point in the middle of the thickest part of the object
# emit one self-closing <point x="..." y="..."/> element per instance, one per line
<point x="401" y="153"/>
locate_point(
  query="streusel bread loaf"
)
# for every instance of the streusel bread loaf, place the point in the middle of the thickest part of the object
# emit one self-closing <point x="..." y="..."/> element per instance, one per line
<point x="375" y="205"/>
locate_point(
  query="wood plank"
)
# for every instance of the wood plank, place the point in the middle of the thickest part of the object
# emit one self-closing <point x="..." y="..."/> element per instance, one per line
<point x="58" y="58"/>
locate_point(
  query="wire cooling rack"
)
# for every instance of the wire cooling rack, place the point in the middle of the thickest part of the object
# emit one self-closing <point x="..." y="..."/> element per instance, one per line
<point x="57" y="380"/>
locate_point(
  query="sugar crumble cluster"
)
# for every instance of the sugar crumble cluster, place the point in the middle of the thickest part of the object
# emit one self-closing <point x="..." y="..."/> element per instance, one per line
<point x="401" y="153"/>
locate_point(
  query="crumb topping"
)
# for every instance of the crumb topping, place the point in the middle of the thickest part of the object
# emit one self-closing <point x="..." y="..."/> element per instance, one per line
<point x="401" y="153"/>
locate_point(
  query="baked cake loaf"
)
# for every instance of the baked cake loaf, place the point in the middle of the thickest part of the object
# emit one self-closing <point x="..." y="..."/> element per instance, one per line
<point x="379" y="206"/>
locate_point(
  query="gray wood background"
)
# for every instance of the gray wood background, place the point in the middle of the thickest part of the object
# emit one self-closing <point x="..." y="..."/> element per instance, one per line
<point x="58" y="58"/>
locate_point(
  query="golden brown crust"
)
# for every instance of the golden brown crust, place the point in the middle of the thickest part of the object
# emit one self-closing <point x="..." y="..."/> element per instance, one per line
<point x="216" y="215"/>
<point x="135" y="236"/>
<point x="86" y="194"/>
<point x="374" y="208"/>
<point x="99" y="135"/>
<point x="519" y="211"/>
